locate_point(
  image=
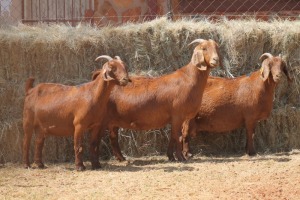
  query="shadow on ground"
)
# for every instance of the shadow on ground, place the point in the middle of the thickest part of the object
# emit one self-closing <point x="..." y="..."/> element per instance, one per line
<point x="162" y="163"/>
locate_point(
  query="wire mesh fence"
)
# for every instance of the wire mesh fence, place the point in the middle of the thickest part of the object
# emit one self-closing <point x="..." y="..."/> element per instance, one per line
<point x="103" y="12"/>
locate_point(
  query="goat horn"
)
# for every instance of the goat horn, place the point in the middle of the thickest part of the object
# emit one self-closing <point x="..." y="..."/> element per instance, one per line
<point x="265" y="55"/>
<point x="117" y="57"/>
<point x="104" y="56"/>
<point x="197" y="41"/>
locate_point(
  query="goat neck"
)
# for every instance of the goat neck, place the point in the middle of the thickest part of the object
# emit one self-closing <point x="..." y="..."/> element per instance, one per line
<point x="196" y="76"/>
<point x="101" y="87"/>
<point x="264" y="89"/>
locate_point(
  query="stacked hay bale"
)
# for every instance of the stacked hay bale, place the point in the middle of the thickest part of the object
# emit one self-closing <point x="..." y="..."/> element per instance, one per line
<point x="64" y="54"/>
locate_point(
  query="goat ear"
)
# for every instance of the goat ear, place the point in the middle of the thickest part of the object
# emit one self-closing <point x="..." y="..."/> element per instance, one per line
<point x="265" y="70"/>
<point x="95" y="74"/>
<point x="285" y="71"/>
<point x="105" y="73"/>
<point x="198" y="60"/>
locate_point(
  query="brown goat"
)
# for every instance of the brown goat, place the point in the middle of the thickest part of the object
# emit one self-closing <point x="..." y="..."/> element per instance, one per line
<point x="61" y="110"/>
<point x="228" y="104"/>
<point x="150" y="103"/>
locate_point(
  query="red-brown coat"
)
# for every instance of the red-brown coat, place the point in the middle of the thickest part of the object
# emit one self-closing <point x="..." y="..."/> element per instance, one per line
<point x="228" y="104"/>
<point x="61" y="110"/>
<point x="150" y="103"/>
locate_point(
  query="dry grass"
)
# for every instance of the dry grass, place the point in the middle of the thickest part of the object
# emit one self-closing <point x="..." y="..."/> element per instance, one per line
<point x="64" y="54"/>
<point x="263" y="177"/>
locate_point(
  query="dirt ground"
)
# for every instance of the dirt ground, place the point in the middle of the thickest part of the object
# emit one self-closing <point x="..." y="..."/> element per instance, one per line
<point x="274" y="176"/>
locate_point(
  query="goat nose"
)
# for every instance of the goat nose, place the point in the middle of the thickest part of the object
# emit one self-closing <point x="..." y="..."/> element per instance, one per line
<point x="216" y="59"/>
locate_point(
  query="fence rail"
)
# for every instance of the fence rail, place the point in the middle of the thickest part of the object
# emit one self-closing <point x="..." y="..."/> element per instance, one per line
<point x="103" y="12"/>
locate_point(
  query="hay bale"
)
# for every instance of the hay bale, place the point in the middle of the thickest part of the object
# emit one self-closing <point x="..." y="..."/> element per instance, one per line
<point x="64" y="54"/>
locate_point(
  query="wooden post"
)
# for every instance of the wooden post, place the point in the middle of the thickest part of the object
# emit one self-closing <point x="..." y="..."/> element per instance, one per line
<point x="170" y="9"/>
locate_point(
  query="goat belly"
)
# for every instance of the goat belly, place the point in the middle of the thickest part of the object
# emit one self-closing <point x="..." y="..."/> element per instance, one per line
<point x="59" y="130"/>
<point x="51" y="125"/>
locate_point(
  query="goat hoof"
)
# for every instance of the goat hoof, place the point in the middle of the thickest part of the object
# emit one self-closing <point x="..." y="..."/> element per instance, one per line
<point x="121" y="159"/>
<point x="27" y="166"/>
<point x="41" y="166"/>
<point x="190" y="155"/>
<point x="252" y="153"/>
<point x="38" y="165"/>
<point x="172" y="158"/>
<point x="187" y="155"/>
<point x="80" y="168"/>
<point x="96" y="166"/>
<point x="181" y="158"/>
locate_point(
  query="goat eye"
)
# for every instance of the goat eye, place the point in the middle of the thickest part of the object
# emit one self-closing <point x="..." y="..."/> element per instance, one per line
<point x="204" y="49"/>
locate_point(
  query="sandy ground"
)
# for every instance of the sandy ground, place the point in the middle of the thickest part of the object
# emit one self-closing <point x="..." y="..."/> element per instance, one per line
<point x="275" y="176"/>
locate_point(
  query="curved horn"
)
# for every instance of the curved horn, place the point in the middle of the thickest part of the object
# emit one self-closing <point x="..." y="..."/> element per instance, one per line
<point x="104" y="56"/>
<point x="117" y="57"/>
<point x="197" y="41"/>
<point x="265" y="55"/>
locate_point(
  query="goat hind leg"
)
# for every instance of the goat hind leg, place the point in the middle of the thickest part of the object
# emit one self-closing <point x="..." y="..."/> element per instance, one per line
<point x="39" y="144"/>
<point x="113" y="136"/>
<point x="94" y="148"/>
<point x="28" y="129"/>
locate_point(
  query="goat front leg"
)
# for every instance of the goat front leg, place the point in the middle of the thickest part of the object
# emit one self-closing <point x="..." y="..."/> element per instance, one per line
<point x="186" y="147"/>
<point x="171" y="148"/>
<point x="176" y="140"/>
<point x="186" y="140"/>
<point x="250" y="150"/>
<point x="113" y="136"/>
<point x="94" y="148"/>
<point x="78" y="136"/>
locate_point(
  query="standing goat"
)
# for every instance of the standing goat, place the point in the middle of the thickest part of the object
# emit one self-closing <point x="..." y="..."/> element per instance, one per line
<point x="150" y="103"/>
<point x="61" y="110"/>
<point x="228" y="104"/>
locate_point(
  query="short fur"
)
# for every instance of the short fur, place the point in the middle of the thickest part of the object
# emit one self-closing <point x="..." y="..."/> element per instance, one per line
<point x="150" y="103"/>
<point x="61" y="110"/>
<point x="228" y="104"/>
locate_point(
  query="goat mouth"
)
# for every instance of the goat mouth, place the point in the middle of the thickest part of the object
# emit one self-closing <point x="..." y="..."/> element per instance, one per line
<point x="213" y="64"/>
<point x="276" y="80"/>
<point x="123" y="82"/>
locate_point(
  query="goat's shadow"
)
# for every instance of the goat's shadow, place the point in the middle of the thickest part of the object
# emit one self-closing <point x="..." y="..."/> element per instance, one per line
<point x="135" y="165"/>
<point x="162" y="163"/>
<point x="229" y="159"/>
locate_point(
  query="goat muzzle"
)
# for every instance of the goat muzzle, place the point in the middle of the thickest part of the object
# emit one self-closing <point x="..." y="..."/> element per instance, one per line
<point x="214" y="62"/>
<point x="124" y="81"/>
<point x="277" y="78"/>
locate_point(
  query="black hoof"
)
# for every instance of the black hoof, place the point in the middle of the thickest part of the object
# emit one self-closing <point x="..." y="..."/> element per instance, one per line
<point x="171" y="158"/>
<point x="252" y="154"/>
<point x="121" y="159"/>
<point x="96" y="166"/>
<point x="181" y="158"/>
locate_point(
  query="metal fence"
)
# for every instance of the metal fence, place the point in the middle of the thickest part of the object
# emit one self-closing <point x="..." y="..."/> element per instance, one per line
<point x="103" y="12"/>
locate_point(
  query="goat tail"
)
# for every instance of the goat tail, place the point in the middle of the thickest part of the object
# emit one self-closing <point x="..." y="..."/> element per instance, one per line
<point x="29" y="84"/>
